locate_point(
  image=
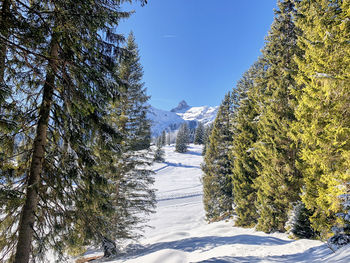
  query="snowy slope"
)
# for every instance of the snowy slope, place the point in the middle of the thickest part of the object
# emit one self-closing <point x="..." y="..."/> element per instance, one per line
<point x="163" y="120"/>
<point x="181" y="234"/>
<point x="204" y="114"/>
<point x="172" y="120"/>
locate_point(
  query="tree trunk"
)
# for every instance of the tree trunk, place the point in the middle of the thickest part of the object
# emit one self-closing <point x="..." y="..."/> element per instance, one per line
<point x="4" y="27"/>
<point x="27" y="220"/>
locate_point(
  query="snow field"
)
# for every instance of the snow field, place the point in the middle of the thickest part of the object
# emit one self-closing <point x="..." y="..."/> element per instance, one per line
<point x="180" y="233"/>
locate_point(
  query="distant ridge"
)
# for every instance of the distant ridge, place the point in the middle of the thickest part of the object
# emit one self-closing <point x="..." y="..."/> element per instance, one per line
<point x="170" y="121"/>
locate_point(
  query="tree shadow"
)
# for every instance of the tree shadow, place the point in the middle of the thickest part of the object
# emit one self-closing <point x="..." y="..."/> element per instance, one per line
<point x="193" y="153"/>
<point x="169" y="164"/>
<point x="314" y="254"/>
<point x="204" y="244"/>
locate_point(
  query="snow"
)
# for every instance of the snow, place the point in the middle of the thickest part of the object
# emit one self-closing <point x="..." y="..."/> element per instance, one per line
<point x="163" y="120"/>
<point x="172" y="120"/>
<point x="181" y="234"/>
<point x="204" y="114"/>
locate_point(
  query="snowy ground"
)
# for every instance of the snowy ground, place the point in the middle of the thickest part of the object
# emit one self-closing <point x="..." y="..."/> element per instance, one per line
<point x="180" y="233"/>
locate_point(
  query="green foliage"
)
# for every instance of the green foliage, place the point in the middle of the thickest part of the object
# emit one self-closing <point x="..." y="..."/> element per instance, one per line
<point x="290" y="126"/>
<point x="163" y="138"/>
<point x="298" y="224"/>
<point x="133" y="193"/>
<point x="323" y="117"/>
<point x="159" y="153"/>
<point x="279" y="181"/>
<point x="199" y="134"/>
<point x="61" y="64"/>
<point x="342" y="229"/>
<point x="207" y="132"/>
<point x="217" y="184"/>
<point x="182" y="139"/>
<point x="244" y="163"/>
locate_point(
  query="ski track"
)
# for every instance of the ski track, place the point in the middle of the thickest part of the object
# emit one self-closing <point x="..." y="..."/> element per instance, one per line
<point x="180" y="233"/>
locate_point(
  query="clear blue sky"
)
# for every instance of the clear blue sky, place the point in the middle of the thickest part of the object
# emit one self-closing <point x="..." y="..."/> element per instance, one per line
<point x="197" y="50"/>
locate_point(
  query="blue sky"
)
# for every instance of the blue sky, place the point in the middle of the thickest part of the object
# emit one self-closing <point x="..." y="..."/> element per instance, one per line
<point x="197" y="50"/>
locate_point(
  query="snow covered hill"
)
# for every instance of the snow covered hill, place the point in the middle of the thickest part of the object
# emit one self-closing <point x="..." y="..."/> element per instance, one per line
<point x="163" y="120"/>
<point x="180" y="233"/>
<point x="172" y="120"/>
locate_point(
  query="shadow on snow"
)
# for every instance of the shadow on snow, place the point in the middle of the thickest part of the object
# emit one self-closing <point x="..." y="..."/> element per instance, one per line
<point x="311" y="255"/>
<point x="169" y="164"/>
<point x="205" y="244"/>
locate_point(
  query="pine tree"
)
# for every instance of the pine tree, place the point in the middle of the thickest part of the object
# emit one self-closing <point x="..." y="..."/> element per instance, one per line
<point x="159" y="153"/>
<point x="217" y="185"/>
<point x="244" y="163"/>
<point x="163" y="138"/>
<point x="207" y="132"/>
<point x="323" y="117"/>
<point x="279" y="181"/>
<point x="182" y="139"/>
<point x="134" y="198"/>
<point x="57" y="192"/>
<point x="168" y="138"/>
<point x="298" y="224"/>
<point x="342" y="229"/>
<point x="199" y="134"/>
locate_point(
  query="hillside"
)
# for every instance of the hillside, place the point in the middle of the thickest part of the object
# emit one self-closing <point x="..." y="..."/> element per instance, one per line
<point x="181" y="234"/>
<point x="171" y="120"/>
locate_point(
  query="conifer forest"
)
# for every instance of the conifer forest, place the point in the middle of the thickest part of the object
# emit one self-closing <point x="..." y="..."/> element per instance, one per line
<point x="76" y="148"/>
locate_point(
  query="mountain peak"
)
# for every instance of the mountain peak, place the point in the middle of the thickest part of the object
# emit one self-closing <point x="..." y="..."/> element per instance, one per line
<point x="182" y="106"/>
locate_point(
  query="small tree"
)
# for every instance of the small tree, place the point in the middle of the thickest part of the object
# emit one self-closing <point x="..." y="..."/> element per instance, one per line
<point x="199" y="134"/>
<point x="207" y="132"/>
<point x="298" y="223"/>
<point x="159" y="154"/>
<point x="168" y="139"/>
<point x="342" y="231"/>
<point x="163" y="138"/>
<point x="182" y="139"/>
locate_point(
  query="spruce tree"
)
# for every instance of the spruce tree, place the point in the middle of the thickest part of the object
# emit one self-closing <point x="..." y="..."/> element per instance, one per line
<point x="57" y="195"/>
<point x="342" y="229"/>
<point x="207" y="132"/>
<point x="323" y="117"/>
<point x="135" y="197"/>
<point x="163" y="138"/>
<point x="217" y="183"/>
<point x="159" y="153"/>
<point x="298" y="224"/>
<point x="244" y="163"/>
<point x="279" y="181"/>
<point x="182" y="139"/>
<point x="168" y="138"/>
<point x="199" y="134"/>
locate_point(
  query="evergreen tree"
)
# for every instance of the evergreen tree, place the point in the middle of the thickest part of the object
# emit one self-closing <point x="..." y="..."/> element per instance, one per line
<point x="342" y="229"/>
<point x="298" y="223"/>
<point x="159" y="153"/>
<point x="217" y="185"/>
<point x="199" y="134"/>
<point x="57" y="193"/>
<point x="323" y="116"/>
<point x="279" y="181"/>
<point x="163" y="138"/>
<point x="207" y="132"/>
<point x="134" y="197"/>
<point x="182" y="139"/>
<point x="168" y="138"/>
<point x="244" y="163"/>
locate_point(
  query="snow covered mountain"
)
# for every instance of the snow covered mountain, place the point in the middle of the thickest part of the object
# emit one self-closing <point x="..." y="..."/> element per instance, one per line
<point x="170" y="121"/>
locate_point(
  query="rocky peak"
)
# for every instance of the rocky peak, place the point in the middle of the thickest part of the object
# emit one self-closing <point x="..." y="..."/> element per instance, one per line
<point x="182" y="106"/>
